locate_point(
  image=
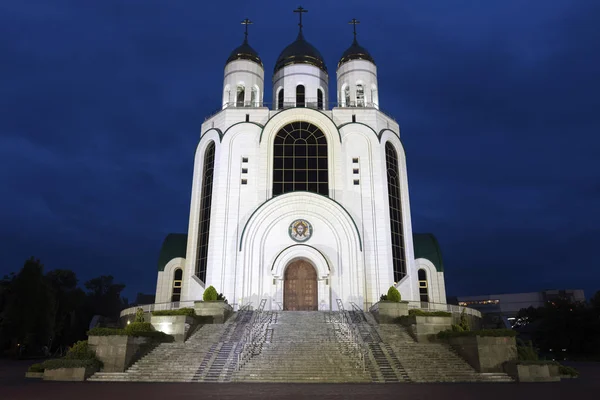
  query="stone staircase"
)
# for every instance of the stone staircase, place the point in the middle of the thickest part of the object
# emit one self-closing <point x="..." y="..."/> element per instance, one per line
<point x="203" y="357"/>
<point x="431" y="362"/>
<point x="303" y="347"/>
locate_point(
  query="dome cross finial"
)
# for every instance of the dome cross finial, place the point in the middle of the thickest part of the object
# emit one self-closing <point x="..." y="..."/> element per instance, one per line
<point x="300" y="11"/>
<point x="354" y="22"/>
<point x="246" y="22"/>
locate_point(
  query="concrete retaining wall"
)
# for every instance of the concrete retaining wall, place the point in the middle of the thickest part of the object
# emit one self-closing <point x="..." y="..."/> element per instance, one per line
<point x="421" y="327"/>
<point x="116" y="352"/>
<point x="218" y="310"/>
<point x="179" y="326"/>
<point x="386" y="312"/>
<point x="68" y="374"/>
<point x="485" y="354"/>
<point x="532" y="373"/>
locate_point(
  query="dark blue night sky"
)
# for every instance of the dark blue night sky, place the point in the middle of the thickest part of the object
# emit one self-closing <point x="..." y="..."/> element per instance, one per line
<point x="498" y="102"/>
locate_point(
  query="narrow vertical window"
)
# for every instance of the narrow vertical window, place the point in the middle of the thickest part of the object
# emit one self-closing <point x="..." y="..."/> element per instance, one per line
<point x="423" y="286"/>
<point x="205" y="203"/>
<point x="374" y="100"/>
<point x="241" y="92"/>
<point x="280" y="100"/>
<point x="347" y="96"/>
<point x="395" y="204"/>
<point x="226" y="97"/>
<point x="300" y="160"/>
<point x="360" y="96"/>
<point x="300" y="96"/>
<point x="177" y="280"/>
<point x="254" y="97"/>
<point x="319" y="99"/>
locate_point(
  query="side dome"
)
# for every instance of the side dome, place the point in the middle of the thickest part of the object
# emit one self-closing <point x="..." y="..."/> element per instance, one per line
<point x="355" y="52"/>
<point x="300" y="52"/>
<point x="244" y="52"/>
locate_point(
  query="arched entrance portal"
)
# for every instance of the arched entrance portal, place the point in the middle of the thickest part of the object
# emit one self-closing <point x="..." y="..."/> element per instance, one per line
<point x="300" y="288"/>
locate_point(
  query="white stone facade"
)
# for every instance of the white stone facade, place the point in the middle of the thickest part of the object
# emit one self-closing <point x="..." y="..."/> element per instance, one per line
<point x="249" y="246"/>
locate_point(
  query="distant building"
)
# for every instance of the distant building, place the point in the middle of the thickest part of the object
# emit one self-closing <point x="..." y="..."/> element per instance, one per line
<point x="505" y="307"/>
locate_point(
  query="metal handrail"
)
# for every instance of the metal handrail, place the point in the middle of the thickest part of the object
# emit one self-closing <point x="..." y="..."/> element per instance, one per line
<point x="351" y="335"/>
<point x="255" y="334"/>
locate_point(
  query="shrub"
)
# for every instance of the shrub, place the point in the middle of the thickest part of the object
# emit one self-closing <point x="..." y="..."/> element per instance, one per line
<point x="98" y="331"/>
<point x="139" y="315"/>
<point x="393" y="295"/>
<point x="383" y="297"/>
<point x="565" y="370"/>
<point x="134" y="328"/>
<point x="457" y="328"/>
<point x="526" y="351"/>
<point x="210" y="294"/>
<point x="182" y="311"/>
<point x="222" y="298"/>
<point x="447" y="334"/>
<point x="80" y="351"/>
<point x="421" y="313"/>
<point x="36" y="368"/>
<point x="464" y="322"/>
<point x="71" y="363"/>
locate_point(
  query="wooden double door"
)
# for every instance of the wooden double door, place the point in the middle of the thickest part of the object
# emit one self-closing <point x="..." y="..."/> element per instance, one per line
<point x="300" y="287"/>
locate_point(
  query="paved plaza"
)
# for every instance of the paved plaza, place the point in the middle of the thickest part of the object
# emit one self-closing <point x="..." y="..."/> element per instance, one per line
<point x="13" y="385"/>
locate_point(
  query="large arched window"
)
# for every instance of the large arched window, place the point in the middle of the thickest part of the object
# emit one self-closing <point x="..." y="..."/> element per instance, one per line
<point x="300" y="96"/>
<point x="393" y="178"/>
<point x="319" y="99"/>
<point x="205" y="203"/>
<point x="280" y="99"/>
<point x="177" y="279"/>
<point x="300" y="160"/>
<point x="423" y="287"/>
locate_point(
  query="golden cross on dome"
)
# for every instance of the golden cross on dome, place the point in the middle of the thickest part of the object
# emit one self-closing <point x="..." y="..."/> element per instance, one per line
<point x="354" y="22"/>
<point x="246" y="22"/>
<point x="300" y="11"/>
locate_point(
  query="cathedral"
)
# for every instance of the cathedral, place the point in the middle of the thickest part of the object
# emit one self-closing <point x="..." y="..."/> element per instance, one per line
<point x="304" y="200"/>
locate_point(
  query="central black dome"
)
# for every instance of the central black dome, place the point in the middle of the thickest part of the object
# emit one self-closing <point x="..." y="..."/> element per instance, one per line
<point x="300" y="52"/>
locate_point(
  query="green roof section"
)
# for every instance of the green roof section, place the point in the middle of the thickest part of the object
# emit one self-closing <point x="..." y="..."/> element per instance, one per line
<point x="174" y="245"/>
<point x="426" y="246"/>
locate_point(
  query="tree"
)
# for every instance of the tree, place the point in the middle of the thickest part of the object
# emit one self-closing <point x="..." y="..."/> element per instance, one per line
<point x="68" y="305"/>
<point x="104" y="296"/>
<point x="29" y="314"/>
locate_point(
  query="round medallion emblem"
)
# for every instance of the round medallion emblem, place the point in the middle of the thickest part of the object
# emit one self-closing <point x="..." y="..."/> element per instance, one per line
<point x="300" y="230"/>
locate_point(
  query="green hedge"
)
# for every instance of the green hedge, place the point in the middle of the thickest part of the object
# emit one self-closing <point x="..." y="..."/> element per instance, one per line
<point x="421" y="313"/>
<point x="36" y="368"/>
<point x="70" y="363"/>
<point x="136" y="329"/>
<point x="210" y="294"/>
<point x="80" y="351"/>
<point x="189" y="312"/>
<point x="98" y="331"/>
<point x="565" y="370"/>
<point x="393" y="295"/>
<point x="484" y="332"/>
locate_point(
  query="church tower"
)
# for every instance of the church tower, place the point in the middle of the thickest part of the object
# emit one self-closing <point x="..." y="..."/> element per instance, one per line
<point x="244" y="81"/>
<point x="300" y="77"/>
<point x="300" y="203"/>
<point x="357" y="77"/>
